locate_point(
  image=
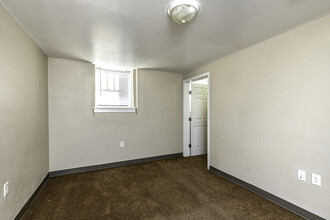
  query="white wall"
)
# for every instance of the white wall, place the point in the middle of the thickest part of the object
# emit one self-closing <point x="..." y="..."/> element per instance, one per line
<point x="270" y="114"/>
<point x="78" y="138"/>
<point x="23" y="116"/>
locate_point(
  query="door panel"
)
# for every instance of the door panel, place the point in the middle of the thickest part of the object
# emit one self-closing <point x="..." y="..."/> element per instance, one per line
<point x="198" y="119"/>
<point x="199" y="108"/>
<point x="198" y="137"/>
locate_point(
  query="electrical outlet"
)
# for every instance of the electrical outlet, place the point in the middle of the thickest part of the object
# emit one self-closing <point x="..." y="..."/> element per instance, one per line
<point x="122" y="144"/>
<point x="302" y="175"/>
<point x="6" y="189"/>
<point x="316" y="179"/>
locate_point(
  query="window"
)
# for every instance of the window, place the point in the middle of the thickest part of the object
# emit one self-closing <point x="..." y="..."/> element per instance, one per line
<point x="114" y="91"/>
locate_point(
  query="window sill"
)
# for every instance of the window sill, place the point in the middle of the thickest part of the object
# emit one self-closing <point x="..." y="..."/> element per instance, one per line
<point x="114" y="110"/>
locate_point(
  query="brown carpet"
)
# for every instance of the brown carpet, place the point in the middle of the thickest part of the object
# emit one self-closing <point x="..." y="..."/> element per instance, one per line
<point x="170" y="189"/>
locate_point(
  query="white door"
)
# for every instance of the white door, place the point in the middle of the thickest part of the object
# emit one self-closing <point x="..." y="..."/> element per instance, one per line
<point x="198" y="119"/>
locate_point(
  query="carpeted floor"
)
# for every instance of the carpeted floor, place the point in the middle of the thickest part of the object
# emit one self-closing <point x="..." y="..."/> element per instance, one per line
<point x="170" y="189"/>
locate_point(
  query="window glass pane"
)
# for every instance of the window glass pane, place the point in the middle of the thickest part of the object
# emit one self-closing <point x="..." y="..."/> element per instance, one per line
<point x="117" y="82"/>
<point x="104" y="81"/>
<point x="113" y="88"/>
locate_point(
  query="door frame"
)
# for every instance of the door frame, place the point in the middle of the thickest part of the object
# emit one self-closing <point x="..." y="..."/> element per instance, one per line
<point x="186" y="128"/>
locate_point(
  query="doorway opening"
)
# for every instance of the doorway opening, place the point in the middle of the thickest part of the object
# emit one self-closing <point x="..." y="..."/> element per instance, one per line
<point x="196" y="116"/>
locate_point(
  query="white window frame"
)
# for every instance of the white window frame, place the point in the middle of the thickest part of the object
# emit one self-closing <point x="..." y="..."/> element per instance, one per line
<point x="119" y="109"/>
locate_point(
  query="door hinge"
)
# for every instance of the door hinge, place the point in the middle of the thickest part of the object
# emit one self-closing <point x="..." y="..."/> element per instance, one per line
<point x="189" y="145"/>
<point x="190" y="92"/>
<point x="189" y="118"/>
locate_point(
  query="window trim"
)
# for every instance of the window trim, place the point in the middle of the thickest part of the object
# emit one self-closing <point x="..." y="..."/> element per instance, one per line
<point x="111" y="109"/>
<point x="120" y="109"/>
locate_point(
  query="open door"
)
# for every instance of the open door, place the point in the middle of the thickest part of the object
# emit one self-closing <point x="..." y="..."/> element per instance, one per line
<point x="196" y="116"/>
<point x="199" y="94"/>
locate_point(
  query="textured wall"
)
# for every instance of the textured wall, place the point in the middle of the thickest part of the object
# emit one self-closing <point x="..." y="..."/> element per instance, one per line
<point x="23" y="116"/>
<point x="270" y="114"/>
<point x="79" y="138"/>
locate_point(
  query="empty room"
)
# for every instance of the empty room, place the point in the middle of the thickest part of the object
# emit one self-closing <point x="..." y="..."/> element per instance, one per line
<point x="167" y="109"/>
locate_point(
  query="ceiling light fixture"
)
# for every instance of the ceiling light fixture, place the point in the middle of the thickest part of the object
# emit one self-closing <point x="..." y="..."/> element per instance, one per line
<point x="183" y="11"/>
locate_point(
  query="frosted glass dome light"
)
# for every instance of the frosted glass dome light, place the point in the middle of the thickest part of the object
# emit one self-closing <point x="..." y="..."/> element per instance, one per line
<point x="183" y="11"/>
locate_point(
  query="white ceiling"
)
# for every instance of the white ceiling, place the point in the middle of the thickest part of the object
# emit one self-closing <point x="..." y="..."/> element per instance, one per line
<point x="123" y="34"/>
